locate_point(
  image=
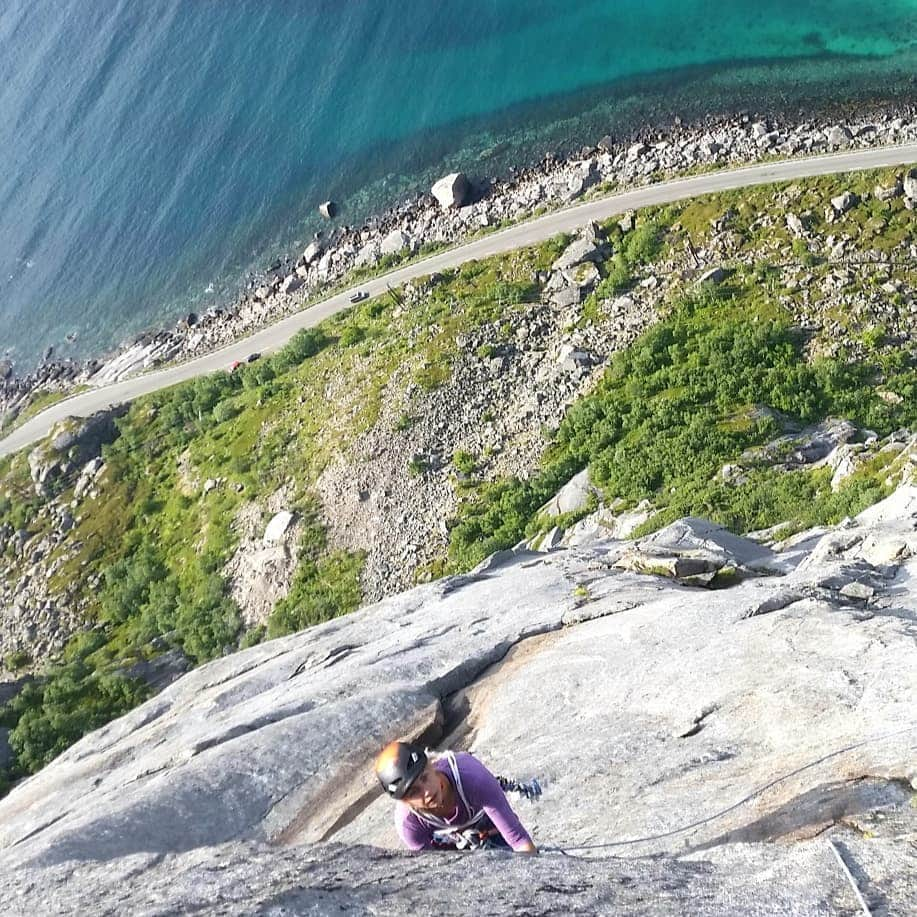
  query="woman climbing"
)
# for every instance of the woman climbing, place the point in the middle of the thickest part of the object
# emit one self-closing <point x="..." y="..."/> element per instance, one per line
<point x="449" y="802"/>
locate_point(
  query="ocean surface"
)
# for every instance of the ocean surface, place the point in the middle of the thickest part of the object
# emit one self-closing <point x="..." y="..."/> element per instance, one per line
<point x="153" y="153"/>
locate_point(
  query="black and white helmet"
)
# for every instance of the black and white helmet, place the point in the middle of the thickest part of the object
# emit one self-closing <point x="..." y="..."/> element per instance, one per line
<point x="398" y="766"/>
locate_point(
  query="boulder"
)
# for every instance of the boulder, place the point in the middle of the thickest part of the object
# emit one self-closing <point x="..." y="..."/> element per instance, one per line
<point x="328" y="209"/>
<point x="795" y="224"/>
<point x="574" y="496"/>
<point x="451" y="191"/>
<point x="587" y="246"/>
<point x="90" y="472"/>
<point x="325" y="264"/>
<point x="6" y="370"/>
<point x="889" y="193"/>
<point x="291" y="284"/>
<point x="844" y="202"/>
<point x="566" y="297"/>
<point x="278" y="527"/>
<point x="809" y="446"/>
<point x="695" y="550"/>
<point x="909" y="185"/>
<point x="585" y="276"/>
<point x="574" y="360"/>
<point x="312" y="251"/>
<point x="839" y="137"/>
<point x="714" y="275"/>
<point x="368" y="254"/>
<point x="394" y="242"/>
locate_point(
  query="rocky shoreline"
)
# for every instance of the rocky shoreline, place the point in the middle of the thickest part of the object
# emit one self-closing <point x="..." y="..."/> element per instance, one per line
<point x="460" y="209"/>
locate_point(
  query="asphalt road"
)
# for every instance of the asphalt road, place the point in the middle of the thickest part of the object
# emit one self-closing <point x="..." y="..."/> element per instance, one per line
<point x="529" y="233"/>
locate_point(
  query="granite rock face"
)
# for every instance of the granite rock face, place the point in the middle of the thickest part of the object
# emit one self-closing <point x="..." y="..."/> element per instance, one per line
<point x="728" y="734"/>
<point x="247" y="878"/>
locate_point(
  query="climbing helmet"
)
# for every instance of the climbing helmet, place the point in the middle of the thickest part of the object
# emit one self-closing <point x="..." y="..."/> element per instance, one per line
<point x="399" y="764"/>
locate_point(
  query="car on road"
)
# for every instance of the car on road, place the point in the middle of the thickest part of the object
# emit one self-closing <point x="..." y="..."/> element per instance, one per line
<point x="252" y="357"/>
<point x="359" y="296"/>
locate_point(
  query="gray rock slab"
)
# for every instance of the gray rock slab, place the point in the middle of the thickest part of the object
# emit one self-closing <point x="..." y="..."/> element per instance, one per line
<point x="698" y="538"/>
<point x="249" y="878"/>
<point x="661" y="720"/>
<point x="585" y="247"/>
<point x="271" y="730"/>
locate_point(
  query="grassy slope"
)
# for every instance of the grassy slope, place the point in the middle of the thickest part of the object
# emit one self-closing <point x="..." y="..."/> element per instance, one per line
<point x="145" y="555"/>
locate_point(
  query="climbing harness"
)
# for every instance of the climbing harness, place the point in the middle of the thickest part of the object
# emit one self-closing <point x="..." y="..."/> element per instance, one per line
<point x="478" y="832"/>
<point x="451" y="833"/>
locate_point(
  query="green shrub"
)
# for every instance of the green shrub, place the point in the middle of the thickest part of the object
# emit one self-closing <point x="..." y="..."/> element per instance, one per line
<point x="226" y="410"/>
<point x="618" y="278"/>
<point x="15" y="660"/>
<point x="352" y="334"/>
<point x="52" y="713"/>
<point x="304" y="344"/>
<point x="464" y="461"/>
<point x="253" y="636"/>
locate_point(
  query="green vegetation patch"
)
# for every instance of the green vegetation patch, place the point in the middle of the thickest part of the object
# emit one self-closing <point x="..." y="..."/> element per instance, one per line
<point x="674" y="408"/>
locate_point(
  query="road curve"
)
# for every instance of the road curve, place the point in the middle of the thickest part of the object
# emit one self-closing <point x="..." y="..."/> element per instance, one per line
<point x="529" y="233"/>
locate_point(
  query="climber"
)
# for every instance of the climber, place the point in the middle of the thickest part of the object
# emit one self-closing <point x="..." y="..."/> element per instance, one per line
<point x="450" y="802"/>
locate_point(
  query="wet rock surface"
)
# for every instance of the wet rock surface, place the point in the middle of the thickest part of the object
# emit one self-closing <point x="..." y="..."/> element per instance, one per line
<point x="730" y="734"/>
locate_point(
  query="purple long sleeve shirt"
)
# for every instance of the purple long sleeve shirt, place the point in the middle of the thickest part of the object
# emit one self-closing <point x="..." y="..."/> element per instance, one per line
<point x="482" y="791"/>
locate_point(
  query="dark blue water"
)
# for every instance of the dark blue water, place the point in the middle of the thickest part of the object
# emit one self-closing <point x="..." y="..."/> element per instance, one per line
<point x="152" y="152"/>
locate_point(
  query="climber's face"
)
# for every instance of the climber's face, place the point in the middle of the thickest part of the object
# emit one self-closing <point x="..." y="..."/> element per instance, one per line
<point x="430" y="791"/>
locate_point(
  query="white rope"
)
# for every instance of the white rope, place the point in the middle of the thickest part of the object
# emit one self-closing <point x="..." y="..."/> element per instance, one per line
<point x="850" y="879"/>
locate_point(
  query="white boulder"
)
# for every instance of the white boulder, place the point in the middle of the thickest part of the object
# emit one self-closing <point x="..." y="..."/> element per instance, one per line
<point x="451" y="191"/>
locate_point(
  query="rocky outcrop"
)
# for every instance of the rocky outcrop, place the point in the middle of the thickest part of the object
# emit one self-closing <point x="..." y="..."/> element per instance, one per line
<point x="575" y="496"/>
<point x="728" y="733"/>
<point x="263" y="564"/>
<point x="72" y="444"/>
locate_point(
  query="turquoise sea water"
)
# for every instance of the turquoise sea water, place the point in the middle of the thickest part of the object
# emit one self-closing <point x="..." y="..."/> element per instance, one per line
<point x="152" y="153"/>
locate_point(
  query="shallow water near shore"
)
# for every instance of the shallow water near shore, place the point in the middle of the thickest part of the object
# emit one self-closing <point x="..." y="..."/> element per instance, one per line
<point x="152" y="154"/>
